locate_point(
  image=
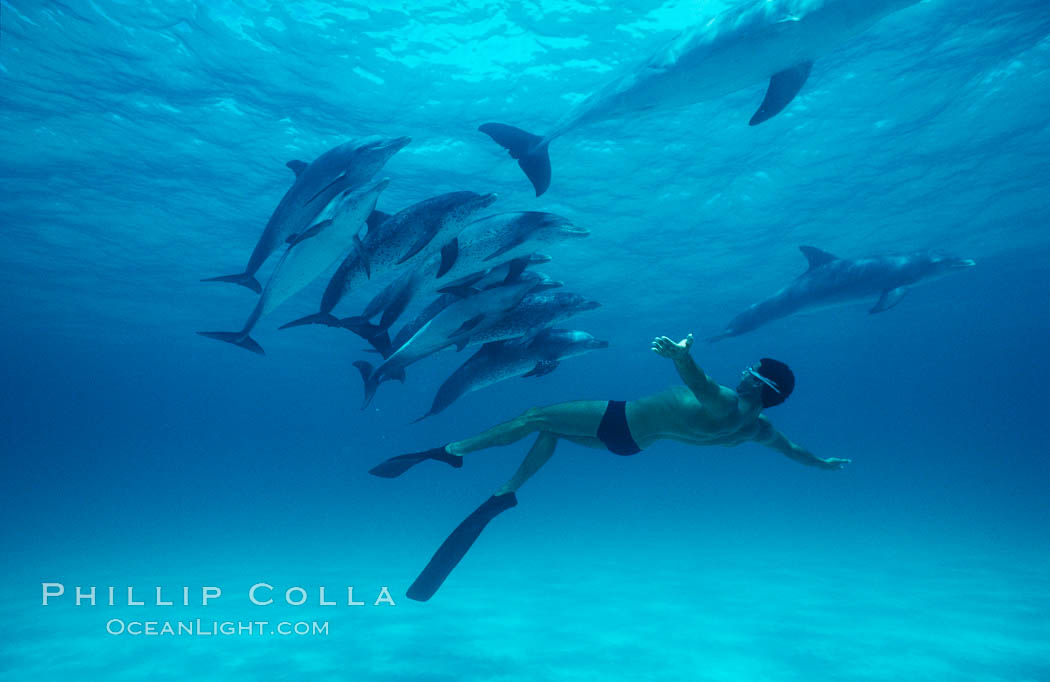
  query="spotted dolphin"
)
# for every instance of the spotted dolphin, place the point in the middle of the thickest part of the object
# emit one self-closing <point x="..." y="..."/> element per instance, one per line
<point x="831" y="280"/>
<point x="314" y="251"/>
<point x="482" y="245"/>
<point x="341" y="168"/>
<point x="501" y="360"/>
<point x="530" y="311"/>
<point x="452" y="326"/>
<point x="406" y="238"/>
<point x="774" y="40"/>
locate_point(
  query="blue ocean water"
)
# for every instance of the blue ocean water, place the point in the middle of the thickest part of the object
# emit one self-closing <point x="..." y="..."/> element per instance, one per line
<point x="144" y="148"/>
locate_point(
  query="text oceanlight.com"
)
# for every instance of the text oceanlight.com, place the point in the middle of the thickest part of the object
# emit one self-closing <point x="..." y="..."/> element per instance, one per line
<point x="205" y="628"/>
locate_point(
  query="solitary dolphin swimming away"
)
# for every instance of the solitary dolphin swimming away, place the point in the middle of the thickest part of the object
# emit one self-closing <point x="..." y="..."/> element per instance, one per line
<point x="341" y="168"/>
<point x="831" y="280"/>
<point x="776" y="40"/>
<point x="315" y="250"/>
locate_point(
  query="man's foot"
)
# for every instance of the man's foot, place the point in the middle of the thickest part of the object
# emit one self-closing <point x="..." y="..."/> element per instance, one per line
<point x="395" y="466"/>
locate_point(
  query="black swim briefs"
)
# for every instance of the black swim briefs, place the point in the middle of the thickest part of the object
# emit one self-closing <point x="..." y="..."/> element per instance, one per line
<point x="613" y="430"/>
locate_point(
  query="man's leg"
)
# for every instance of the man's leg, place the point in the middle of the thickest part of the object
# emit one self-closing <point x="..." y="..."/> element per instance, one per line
<point x="577" y="419"/>
<point x="462" y="538"/>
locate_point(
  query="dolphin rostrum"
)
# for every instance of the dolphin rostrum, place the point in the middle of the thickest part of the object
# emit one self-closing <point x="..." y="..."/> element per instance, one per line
<point x="775" y="40"/>
<point x="831" y="280"/>
<point x="501" y="360"/>
<point x="341" y="168"/>
<point x="408" y="237"/>
<point x="315" y="250"/>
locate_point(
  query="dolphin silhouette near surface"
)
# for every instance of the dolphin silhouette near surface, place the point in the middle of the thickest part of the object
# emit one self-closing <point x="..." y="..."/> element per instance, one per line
<point x="774" y="40"/>
<point x="831" y="280"/>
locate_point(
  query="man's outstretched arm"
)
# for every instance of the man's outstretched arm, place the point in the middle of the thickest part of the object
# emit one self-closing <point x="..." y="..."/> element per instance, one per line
<point x="767" y="435"/>
<point x="703" y="387"/>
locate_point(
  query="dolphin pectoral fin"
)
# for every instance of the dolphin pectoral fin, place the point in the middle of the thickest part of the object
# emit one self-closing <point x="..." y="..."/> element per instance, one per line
<point x="542" y="367"/>
<point x="468" y="325"/>
<point x="461" y="344"/>
<point x="461" y="291"/>
<point x="236" y="338"/>
<point x="311" y="232"/>
<point x="244" y="279"/>
<point x="516" y="242"/>
<point x="889" y="298"/>
<point x="460" y="285"/>
<point x="325" y="188"/>
<point x="375" y="218"/>
<point x="359" y="246"/>
<point x="317" y="318"/>
<point x="449" y="254"/>
<point x="717" y="337"/>
<point x="816" y="257"/>
<point x="530" y="151"/>
<point x="415" y="248"/>
<point x="517" y="266"/>
<point x="783" y="87"/>
<point x="297" y="166"/>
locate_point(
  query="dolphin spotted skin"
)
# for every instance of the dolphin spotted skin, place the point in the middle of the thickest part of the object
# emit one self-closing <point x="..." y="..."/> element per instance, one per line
<point x="485" y="243"/>
<point x="316" y="250"/>
<point x="831" y="280"/>
<point x="341" y="168"/>
<point x="502" y="360"/>
<point x="379" y="338"/>
<point x="535" y="312"/>
<point x="405" y="238"/>
<point x="774" y="40"/>
<point x="452" y="326"/>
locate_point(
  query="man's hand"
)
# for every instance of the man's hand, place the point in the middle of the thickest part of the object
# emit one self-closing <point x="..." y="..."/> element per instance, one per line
<point x="834" y="463"/>
<point x="667" y="348"/>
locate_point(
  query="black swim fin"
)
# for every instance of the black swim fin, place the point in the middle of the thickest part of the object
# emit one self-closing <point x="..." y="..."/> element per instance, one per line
<point x="530" y="151"/>
<point x="456" y="545"/>
<point x="395" y="466"/>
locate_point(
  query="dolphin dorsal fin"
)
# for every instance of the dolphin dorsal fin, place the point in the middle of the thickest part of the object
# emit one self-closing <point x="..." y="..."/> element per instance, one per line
<point x="297" y="166"/>
<point x="816" y="257"/>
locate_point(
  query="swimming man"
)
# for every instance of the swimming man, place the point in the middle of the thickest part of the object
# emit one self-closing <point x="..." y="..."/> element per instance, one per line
<point x="700" y="413"/>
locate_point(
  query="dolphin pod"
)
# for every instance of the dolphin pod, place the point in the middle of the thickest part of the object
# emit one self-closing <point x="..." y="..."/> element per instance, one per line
<point x="831" y="280"/>
<point x="475" y="266"/>
<point x="774" y="40"/>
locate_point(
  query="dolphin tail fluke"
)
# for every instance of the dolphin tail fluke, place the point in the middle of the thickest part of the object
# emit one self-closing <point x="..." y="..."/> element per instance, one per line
<point x="374" y="334"/>
<point x="716" y="337"/>
<point x="237" y="339"/>
<point x="317" y="318"/>
<point x="244" y="279"/>
<point x="370" y="380"/>
<point x="530" y="151"/>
